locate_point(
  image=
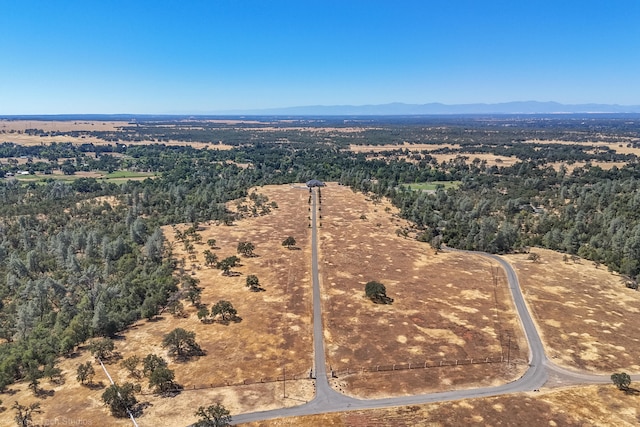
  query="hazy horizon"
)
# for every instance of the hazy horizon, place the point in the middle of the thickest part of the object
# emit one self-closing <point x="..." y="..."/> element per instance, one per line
<point x="161" y="57"/>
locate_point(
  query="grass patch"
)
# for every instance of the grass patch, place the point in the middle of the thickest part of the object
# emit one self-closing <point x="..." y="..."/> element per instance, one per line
<point x="128" y="174"/>
<point x="433" y="185"/>
<point x="117" y="177"/>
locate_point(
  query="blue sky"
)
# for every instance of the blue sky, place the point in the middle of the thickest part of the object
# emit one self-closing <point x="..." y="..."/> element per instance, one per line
<point x="113" y="56"/>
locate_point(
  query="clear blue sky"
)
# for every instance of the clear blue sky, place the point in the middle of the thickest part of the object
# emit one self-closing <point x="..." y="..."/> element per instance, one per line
<point x="111" y="56"/>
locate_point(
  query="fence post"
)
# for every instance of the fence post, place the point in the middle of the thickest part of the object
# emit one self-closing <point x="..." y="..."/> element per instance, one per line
<point x="456" y="362"/>
<point x="409" y="365"/>
<point x="377" y="366"/>
<point x="393" y="368"/>
<point x="471" y="361"/>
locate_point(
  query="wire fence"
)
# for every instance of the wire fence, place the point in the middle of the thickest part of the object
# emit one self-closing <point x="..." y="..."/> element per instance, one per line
<point x="429" y="364"/>
<point x="419" y="365"/>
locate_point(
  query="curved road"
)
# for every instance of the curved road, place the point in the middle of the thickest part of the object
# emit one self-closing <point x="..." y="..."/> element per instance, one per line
<point x="328" y="400"/>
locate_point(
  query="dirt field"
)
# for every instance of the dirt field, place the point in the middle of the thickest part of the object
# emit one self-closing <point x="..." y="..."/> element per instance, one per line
<point x="583" y="406"/>
<point x="585" y="315"/>
<point x="447" y="307"/>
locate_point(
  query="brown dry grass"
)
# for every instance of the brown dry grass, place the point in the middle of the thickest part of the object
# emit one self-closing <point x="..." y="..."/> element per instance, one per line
<point x="275" y="330"/>
<point x="12" y="131"/>
<point x="446" y="306"/>
<point x="571" y="167"/>
<point x="23" y="139"/>
<point x="585" y="315"/>
<point x="618" y="147"/>
<point x="403" y="146"/>
<point x="61" y="125"/>
<point x="579" y="406"/>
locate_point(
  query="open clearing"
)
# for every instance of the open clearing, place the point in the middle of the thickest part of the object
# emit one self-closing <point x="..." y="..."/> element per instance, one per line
<point x="579" y="406"/>
<point x="117" y="177"/>
<point x="447" y="307"/>
<point x="433" y="185"/>
<point x="459" y="152"/>
<point x="27" y="140"/>
<point x="585" y="315"/>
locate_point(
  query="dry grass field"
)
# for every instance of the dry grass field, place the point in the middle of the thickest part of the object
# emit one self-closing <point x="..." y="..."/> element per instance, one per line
<point x="580" y="406"/>
<point x="13" y="131"/>
<point x="447" y="306"/>
<point x="493" y="159"/>
<point x="275" y="330"/>
<point x="585" y="315"/>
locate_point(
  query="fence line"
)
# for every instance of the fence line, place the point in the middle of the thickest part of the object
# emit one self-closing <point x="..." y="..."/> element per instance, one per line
<point x="419" y="365"/>
<point x="350" y="371"/>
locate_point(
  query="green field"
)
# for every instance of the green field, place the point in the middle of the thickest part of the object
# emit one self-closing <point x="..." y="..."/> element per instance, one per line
<point x="433" y="185"/>
<point x="117" y="177"/>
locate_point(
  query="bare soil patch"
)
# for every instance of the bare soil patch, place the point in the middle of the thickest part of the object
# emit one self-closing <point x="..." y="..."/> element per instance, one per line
<point x="585" y="315"/>
<point x="448" y="307"/>
<point x="579" y="406"/>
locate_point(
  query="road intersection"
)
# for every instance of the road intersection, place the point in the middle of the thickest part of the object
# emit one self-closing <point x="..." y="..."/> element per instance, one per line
<point x="328" y="400"/>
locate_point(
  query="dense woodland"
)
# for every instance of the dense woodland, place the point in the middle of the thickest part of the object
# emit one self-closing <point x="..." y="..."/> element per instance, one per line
<point x="76" y="267"/>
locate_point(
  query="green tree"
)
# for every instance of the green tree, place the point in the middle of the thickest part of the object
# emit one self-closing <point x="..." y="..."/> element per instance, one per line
<point x="149" y="308"/>
<point x="34" y="374"/>
<point x="24" y="414"/>
<point x="162" y="380"/>
<point x="151" y="362"/>
<point x="102" y="348"/>
<point x="213" y="416"/>
<point x="227" y="264"/>
<point x="203" y="313"/>
<point x="85" y="372"/>
<point x="246" y="248"/>
<point x="224" y="309"/>
<point x="534" y="257"/>
<point x="253" y="283"/>
<point x="131" y="364"/>
<point x="176" y="308"/>
<point x="181" y="343"/>
<point x="210" y="259"/>
<point x="289" y="242"/>
<point x="377" y="292"/>
<point x="621" y="380"/>
<point x="120" y="399"/>
<point x="211" y="243"/>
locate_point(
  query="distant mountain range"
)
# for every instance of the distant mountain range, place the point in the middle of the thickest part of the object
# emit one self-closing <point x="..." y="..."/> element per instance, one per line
<point x="397" y="108"/>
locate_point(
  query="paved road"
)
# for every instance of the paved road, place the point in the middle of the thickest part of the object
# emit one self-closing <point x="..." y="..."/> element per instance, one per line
<point x="328" y="400"/>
